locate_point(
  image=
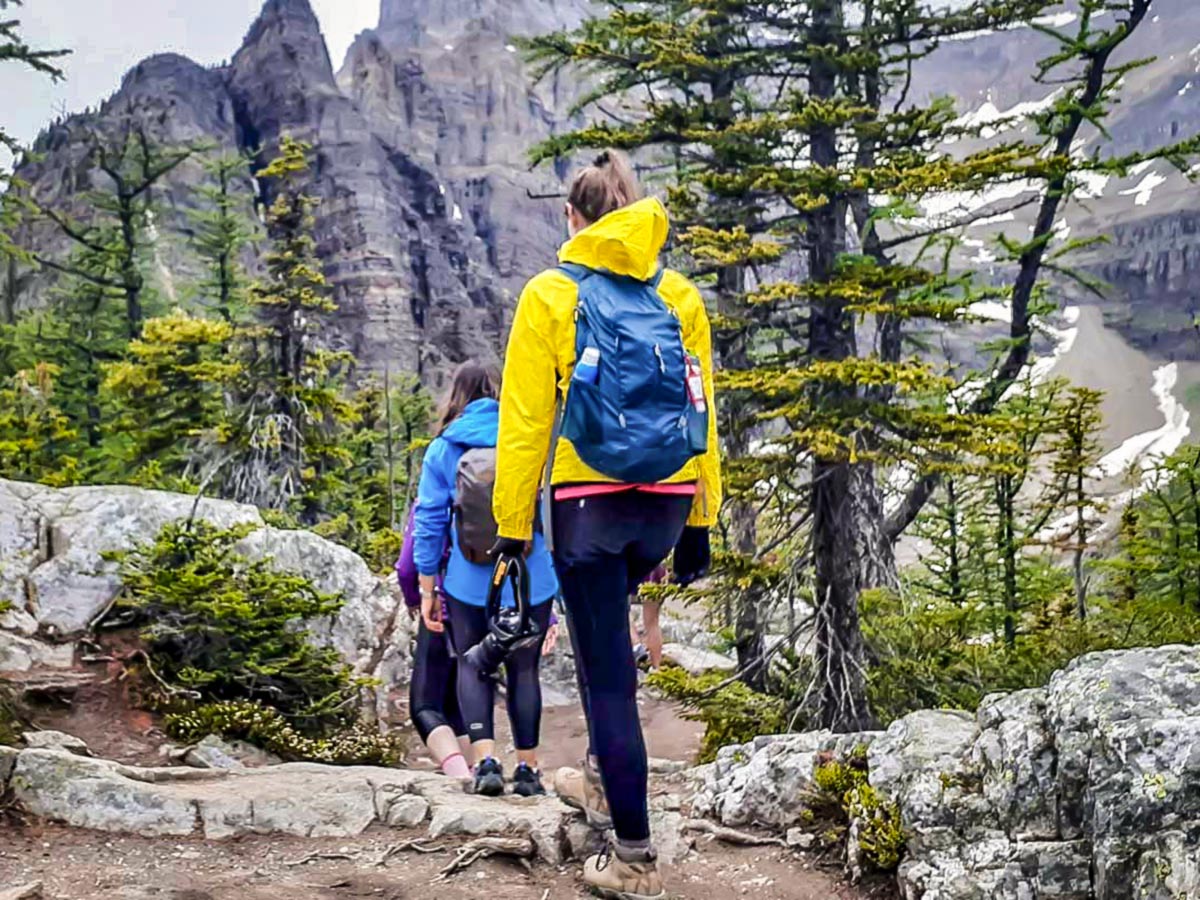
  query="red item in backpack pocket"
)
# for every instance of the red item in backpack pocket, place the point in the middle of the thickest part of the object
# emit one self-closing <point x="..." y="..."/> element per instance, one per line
<point x="695" y="385"/>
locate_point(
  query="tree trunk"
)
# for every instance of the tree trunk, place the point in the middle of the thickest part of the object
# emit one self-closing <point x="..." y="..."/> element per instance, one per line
<point x="840" y="654"/>
<point x="1080" y="546"/>
<point x="8" y="300"/>
<point x="845" y="504"/>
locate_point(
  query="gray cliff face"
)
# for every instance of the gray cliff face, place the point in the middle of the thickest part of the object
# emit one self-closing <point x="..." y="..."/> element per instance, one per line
<point x="409" y="288"/>
<point x="175" y="101"/>
<point x="444" y="82"/>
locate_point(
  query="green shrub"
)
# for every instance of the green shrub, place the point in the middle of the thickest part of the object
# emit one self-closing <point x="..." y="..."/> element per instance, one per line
<point x="880" y="836"/>
<point x="732" y="713"/>
<point x="12" y="722"/>
<point x="228" y="652"/>
<point x="218" y="626"/>
<point x="355" y="745"/>
<point x="928" y="655"/>
<point x="845" y="795"/>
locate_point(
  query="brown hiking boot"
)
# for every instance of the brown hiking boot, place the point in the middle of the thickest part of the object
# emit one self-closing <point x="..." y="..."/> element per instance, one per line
<point x="608" y="875"/>
<point x="582" y="790"/>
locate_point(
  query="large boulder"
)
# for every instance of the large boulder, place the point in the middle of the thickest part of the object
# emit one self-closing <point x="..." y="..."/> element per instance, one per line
<point x="299" y="799"/>
<point x="767" y="782"/>
<point x="53" y="570"/>
<point x="52" y="564"/>
<point x="1088" y="789"/>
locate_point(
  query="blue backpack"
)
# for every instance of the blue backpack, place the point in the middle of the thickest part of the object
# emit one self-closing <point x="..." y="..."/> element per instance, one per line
<point x="630" y="412"/>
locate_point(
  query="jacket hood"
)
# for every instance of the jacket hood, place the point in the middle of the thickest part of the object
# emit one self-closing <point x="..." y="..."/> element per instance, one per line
<point x="477" y="426"/>
<point x="625" y="242"/>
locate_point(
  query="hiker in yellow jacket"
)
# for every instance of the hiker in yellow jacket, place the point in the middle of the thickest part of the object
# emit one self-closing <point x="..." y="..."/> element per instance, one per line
<point x="608" y="535"/>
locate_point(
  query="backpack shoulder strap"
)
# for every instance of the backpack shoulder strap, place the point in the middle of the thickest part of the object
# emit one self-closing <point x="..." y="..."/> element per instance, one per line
<point x="658" y="277"/>
<point x="576" y="272"/>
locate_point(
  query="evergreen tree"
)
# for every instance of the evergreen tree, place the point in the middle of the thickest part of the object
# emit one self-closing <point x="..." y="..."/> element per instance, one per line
<point x="35" y="435"/>
<point x="170" y="391"/>
<point x="112" y="245"/>
<point x="829" y="238"/>
<point x="1159" y="557"/>
<point x="1075" y="454"/>
<point x="287" y="444"/>
<point x="223" y="235"/>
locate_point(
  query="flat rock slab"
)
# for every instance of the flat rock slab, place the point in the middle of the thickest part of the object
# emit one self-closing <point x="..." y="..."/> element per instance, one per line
<point x="300" y="799"/>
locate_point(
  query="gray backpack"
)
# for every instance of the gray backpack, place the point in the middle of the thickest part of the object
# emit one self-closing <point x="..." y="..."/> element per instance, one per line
<point x="473" y="517"/>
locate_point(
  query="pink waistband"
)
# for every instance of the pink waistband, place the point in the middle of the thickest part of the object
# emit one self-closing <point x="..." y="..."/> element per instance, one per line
<point x="577" y="491"/>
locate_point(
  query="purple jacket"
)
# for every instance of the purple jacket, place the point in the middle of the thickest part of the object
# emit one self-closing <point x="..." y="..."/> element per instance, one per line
<point x="406" y="569"/>
<point x="406" y="566"/>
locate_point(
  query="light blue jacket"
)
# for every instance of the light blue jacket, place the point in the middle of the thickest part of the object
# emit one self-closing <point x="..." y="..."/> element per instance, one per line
<point x="466" y="582"/>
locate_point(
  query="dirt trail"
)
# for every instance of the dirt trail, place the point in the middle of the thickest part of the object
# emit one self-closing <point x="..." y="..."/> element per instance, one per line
<point x="75" y="864"/>
<point x="80" y="865"/>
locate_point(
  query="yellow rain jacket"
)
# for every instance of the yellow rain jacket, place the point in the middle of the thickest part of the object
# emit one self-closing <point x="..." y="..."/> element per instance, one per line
<point x="541" y="359"/>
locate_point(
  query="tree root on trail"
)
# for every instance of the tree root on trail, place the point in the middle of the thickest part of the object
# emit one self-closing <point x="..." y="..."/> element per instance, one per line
<point x="417" y="844"/>
<point x="732" y="835"/>
<point x="481" y="848"/>
<point x="313" y="857"/>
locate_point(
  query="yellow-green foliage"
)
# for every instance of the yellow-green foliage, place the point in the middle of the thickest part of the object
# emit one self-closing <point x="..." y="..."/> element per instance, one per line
<point x="732" y="713"/>
<point x="848" y="797"/>
<point x="353" y="745"/>
<point x="880" y="836"/>
<point x="11" y="724"/>
<point x="35" y="435"/>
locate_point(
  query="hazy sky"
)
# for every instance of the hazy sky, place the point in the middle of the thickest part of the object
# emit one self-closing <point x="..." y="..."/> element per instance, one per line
<point x="110" y="36"/>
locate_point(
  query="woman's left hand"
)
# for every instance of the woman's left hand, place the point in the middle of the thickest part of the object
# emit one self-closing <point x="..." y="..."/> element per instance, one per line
<point x="551" y="640"/>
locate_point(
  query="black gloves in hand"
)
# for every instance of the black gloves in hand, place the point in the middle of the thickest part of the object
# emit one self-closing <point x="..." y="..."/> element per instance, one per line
<point x="692" y="556"/>
<point x="509" y="547"/>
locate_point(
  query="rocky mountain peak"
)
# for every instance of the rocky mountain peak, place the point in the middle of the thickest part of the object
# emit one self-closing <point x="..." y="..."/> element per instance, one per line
<point x="286" y="37"/>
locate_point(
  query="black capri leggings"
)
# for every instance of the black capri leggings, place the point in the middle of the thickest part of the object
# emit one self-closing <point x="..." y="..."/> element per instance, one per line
<point x="477" y="693"/>
<point x="432" y="695"/>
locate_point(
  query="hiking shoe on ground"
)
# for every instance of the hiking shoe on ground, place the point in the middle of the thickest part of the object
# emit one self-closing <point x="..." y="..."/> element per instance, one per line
<point x="607" y="875"/>
<point x="489" y="778"/>
<point x="527" y="782"/>
<point x="582" y="790"/>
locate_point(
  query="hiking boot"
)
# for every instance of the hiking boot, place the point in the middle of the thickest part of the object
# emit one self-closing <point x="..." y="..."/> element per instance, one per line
<point x="489" y="778"/>
<point x="582" y="790"/>
<point x="527" y="782"/>
<point x="633" y="878"/>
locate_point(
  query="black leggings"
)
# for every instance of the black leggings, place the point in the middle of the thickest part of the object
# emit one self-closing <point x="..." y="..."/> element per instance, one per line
<point x="432" y="698"/>
<point x="603" y="547"/>
<point x="477" y="693"/>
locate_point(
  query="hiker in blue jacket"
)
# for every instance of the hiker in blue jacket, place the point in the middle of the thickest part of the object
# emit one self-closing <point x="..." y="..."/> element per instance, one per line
<point x="469" y="420"/>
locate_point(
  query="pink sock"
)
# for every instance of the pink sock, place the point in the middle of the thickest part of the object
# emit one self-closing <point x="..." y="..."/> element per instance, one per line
<point x="456" y="766"/>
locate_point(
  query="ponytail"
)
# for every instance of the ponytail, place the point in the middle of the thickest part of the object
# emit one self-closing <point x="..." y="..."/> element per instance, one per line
<point x="606" y="185"/>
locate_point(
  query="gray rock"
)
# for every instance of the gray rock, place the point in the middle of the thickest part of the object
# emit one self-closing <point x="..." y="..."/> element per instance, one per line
<point x="72" y="583"/>
<point x="299" y="799"/>
<point x="29" y="891"/>
<point x="211" y="753"/>
<point x="765" y="783"/>
<point x="8" y="760"/>
<point x="799" y="839"/>
<point x="20" y="654"/>
<point x="1087" y="789"/>
<point x="407" y="811"/>
<point x="1016" y="757"/>
<point x="55" y="740"/>
<point x="697" y="659"/>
